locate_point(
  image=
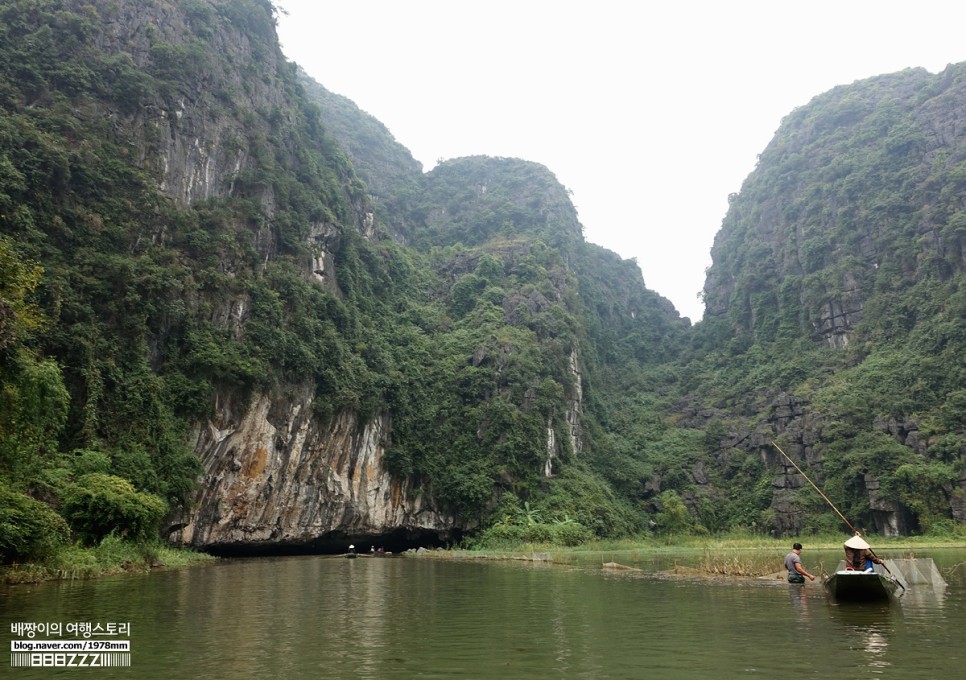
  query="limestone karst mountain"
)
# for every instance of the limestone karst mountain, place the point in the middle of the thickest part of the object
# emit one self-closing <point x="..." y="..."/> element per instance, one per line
<point x="236" y="291"/>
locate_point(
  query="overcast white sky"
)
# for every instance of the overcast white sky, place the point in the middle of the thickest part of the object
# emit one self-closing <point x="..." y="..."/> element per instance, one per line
<point x="650" y="112"/>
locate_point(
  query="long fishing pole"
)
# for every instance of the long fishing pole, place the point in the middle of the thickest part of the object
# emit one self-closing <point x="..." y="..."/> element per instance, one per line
<point x="832" y="505"/>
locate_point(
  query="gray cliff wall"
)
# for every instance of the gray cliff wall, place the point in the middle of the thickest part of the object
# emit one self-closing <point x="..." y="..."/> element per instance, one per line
<point x="218" y="114"/>
<point x="195" y="137"/>
<point x="275" y="477"/>
<point x="800" y="429"/>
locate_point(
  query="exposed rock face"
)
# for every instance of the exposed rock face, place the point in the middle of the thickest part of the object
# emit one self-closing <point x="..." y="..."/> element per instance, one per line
<point x="840" y="313"/>
<point x="891" y="519"/>
<point x="274" y="474"/>
<point x="275" y="477"/>
<point x="325" y="239"/>
<point x="388" y="168"/>
<point x="573" y="418"/>
<point x="195" y="150"/>
<point x="802" y="428"/>
<point x="807" y="234"/>
<point x="575" y="409"/>
<point x="551" y="450"/>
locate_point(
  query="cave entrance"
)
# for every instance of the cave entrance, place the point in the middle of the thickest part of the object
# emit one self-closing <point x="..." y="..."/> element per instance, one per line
<point x="337" y="543"/>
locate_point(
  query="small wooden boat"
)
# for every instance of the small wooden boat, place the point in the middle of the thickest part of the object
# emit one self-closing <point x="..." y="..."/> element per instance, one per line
<point x="861" y="586"/>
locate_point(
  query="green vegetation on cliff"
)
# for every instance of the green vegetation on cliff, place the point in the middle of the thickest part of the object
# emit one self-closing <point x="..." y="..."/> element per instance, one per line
<point x="839" y="276"/>
<point x="536" y="389"/>
<point x="112" y="342"/>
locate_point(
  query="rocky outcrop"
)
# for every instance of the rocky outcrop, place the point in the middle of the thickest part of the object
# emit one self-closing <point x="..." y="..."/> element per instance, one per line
<point x="840" y="313"/>
<point x="219" y="116"/>
<point x="275" y="476"/>
<point x="575" y="404"/>
<point x="390" y="172"/>
<point x="573" y="419"/>
<point x="193" y="136"/>
<point x="551" y="450"/>
<point x="810" y="231"/>
<point x="891" y="518"/>
<point x="325" y="240"/>
<point x="800" y="429"/>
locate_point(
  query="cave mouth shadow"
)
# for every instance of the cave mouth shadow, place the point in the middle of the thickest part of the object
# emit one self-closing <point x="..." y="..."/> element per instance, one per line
<point x="338" y="542"/>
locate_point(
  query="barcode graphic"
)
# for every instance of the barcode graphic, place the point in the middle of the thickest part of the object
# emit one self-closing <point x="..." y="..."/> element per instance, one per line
<point x="68" y="660"/>
<point x="116" y="659"/>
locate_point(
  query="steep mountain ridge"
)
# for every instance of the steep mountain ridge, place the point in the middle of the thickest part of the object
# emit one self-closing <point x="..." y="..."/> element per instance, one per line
<point x="258" y="320"/>
<point x="846" y="186"/>
<point x="849" y="232"/>
<point x="261" y="311"/>
<point x="391" y="175"/>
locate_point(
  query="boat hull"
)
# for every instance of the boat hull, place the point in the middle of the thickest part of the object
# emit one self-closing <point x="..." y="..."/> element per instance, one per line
<point x="860" y="586"/>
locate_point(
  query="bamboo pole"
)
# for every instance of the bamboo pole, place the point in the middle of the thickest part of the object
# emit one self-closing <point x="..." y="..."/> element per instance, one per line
<point x="831" y="504"/>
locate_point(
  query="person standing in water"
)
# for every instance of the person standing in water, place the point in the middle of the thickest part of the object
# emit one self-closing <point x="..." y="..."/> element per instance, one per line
<point x="793" y="562"/>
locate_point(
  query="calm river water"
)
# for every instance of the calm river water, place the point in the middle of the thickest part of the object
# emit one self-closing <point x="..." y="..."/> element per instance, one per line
<point x="328" y="617"/>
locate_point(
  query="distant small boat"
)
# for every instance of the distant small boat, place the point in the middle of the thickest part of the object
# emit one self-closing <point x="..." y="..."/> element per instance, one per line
<point x="861" y="586"/>
<point x="351" y="555"/>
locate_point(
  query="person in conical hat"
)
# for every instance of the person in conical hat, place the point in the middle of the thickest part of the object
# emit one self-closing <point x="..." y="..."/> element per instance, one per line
<point x="859" y="555"/>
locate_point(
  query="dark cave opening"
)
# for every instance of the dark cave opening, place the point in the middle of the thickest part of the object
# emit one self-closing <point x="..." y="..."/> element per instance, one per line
<point x="338" y="542"/>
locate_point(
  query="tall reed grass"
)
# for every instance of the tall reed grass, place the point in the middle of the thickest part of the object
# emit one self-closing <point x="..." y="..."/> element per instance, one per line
<point x="740" y="563"/>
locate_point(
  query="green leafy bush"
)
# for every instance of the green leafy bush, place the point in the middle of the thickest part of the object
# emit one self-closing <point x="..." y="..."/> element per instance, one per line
<point x="592" y="503"/>
<point x="86" y="461"/>
<point x="570" y="533"/>
<point x="29" y="529"/>
<point x="500" y="535"/>
<point x="674" y="517"/>
<point x="98" y="504"/>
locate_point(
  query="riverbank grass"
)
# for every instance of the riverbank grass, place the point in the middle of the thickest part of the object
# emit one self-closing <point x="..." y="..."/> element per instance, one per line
<point x="113" y="555"/>
<point x="731" y="555"/>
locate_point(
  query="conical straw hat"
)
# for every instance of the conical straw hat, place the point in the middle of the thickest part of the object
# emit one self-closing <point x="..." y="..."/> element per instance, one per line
<point x="858" y="543"/>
